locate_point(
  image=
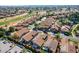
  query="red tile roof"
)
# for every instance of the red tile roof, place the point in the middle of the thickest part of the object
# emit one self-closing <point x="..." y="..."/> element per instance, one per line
<point x="47" y="23"/>
<point x="64" y="45"/>
<point x="39" y="39"/>
<point x="19" y="28"/>
<point x="71" y="47"/>
<point x="51" y="43"/>
<point x="29" y="36"/>
<point x="67" y="46"/>
<point x="22" y="31"/>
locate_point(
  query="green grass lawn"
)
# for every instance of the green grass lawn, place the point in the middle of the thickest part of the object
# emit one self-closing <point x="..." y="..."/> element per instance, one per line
<point x="15" y="19"/>
<point x="12" y="20"/>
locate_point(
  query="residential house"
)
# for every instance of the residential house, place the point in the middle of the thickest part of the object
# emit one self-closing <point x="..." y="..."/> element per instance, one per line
<point x="67" y="47"/>
<point x="71" y="47"/>
<point x="46" y="24"/>
<point x="18" y="28"/>
<point x="51" y="44"/>
<point x="55" y="27"/>
<point x="22" y="32"/>
<point x="26" y="39"/>
<point x="38" y="41"/>
<point x="65" y="28"/>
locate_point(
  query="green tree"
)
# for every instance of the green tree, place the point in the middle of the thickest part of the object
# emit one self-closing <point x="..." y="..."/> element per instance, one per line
<point x="11" y="29"/>
<point x="1" y="33"/>
<point x="74" y="18"/>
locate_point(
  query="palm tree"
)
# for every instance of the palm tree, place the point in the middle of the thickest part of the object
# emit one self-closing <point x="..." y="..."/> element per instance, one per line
<point x="74" y="29"/>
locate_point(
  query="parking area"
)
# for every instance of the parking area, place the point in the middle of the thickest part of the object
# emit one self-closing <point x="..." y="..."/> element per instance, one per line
<point x="15" y="49"/>
<point x="5" y="46"/>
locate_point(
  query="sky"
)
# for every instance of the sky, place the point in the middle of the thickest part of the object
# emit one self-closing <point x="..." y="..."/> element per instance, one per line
<point x="39" y="2"/>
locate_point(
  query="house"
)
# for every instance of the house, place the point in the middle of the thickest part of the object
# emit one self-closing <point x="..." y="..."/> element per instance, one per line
<point x="65" y="28"/>
<point x="78" y="47"/>
<point x="18" y="25"/>
<point x="64" y="46"/>
<point x="41" y="13"/>
<point x="71" y="47"/>
<point x="18" y="28"/>
<point x="55" y="28"/>
<point x="51" y="44"/>
<point x="67" y="47"/>
<point x="54" y="17"/>
<point x="46" y="24"/>
<point x="21" y="32"/>
<point x="38" y="41"/>
<point x="28" y="37"/>
<point x="31" y="20"/>
<point x="15" y="49"/>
